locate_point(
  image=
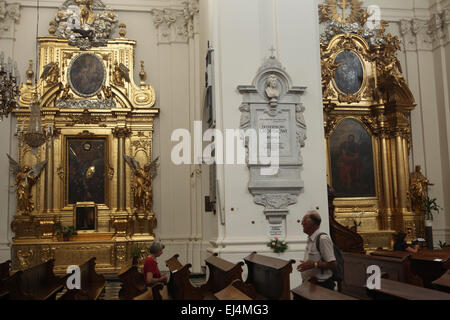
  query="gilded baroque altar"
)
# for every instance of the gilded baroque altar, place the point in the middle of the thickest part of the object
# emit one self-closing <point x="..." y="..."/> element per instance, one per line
<point x="367" y="105"/>
<point x="93" y="117"/>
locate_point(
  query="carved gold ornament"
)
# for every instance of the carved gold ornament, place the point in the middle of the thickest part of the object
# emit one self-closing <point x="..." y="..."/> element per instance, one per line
<point x="337" y="10"/>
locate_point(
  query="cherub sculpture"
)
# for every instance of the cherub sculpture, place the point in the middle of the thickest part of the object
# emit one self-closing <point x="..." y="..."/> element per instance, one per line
<point x="26" y="177"/>
<point x="121" y="72"/>
<point x="142" y="184"/>
<point x="86" y="13"/>
<point x="51" y="73"/>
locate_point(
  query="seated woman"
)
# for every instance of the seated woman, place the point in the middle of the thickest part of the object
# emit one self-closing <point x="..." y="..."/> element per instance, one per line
<point x="401" y="245"/>
<point x="151" y="271"/>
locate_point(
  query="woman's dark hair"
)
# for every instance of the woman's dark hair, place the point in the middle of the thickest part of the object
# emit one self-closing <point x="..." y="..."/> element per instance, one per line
<point x="400" y="237"/>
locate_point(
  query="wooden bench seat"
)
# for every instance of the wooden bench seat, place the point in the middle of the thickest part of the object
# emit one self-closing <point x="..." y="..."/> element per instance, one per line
<point x="232" y="292"/>
<point x="179" y="285"/>
<point x="395" y="290"/>
<point x="393" y="267"/>
<point x="268" y="277"/>
<point x="310" y="291"/>
<point x="443" y="283"/>
<point x="5" y="268"/>
<point x="36" y="283"/>
<point x="221" y="274"/>
<point x="133" y="285"/>
<point x="92" y="284"/>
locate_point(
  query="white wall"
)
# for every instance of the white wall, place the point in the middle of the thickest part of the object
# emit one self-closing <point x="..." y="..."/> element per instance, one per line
<point x="242" y="33"/>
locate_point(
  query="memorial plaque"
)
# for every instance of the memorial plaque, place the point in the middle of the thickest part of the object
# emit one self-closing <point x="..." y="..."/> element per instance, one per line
<point x="282" y="122"/>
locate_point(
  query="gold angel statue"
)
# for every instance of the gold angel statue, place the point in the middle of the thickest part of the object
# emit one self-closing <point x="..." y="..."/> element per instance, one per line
<point x="86" y="13"/>
<point x="26" y="177"/>
<point x="51" y="73"/>
<point x="142" y="184"/>
<point x="418" y="189"/>
<point x="120" y="73"/>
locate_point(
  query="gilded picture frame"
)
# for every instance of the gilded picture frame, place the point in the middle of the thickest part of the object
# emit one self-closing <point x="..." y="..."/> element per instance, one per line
<point x="86" y="167"/>
<point x="352" y="160"/>
<point x="85" y="217"/>
<point x="86" y="74"/>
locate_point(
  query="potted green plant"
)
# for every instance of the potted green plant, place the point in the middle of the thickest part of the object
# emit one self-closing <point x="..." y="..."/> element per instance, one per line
<point x="66" y="232"/>
<point x="140" y="251"/>
<point x="430" y="205"/>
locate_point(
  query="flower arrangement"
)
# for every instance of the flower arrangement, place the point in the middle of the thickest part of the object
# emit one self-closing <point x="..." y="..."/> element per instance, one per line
<point x="277" y="246"/>
<point x="355" y="221"/>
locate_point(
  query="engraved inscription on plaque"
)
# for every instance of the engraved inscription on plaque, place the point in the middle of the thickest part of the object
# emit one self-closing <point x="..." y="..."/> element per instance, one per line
<point x="349" y="74"/>
<point x="282" y="122"/>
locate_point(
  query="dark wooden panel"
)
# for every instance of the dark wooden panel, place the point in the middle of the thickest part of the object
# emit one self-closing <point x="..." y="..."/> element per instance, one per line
<point x="310" y="291"/>
<point x="394" y="290"/>
<point x="269" y="276"/>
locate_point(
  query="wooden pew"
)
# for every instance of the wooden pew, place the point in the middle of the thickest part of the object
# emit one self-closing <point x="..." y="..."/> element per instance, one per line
<point x="405" y="257"/>
<point x="310" y="291"/>
<point x="179" y="285"/>
<point x="394" y="290"/>
<point x="355" y="272"/>
<point x="443" y="283"/>
<point x="92" y="284"/>
<point x="133" y="285"/>
<point x="268" y="277"/>
<point x="429" y="265"/>
<point x="221" y="274"/>
<point x="5" y="267"/>
<point x="232" y="292"/>
<point x="36" y="283"/>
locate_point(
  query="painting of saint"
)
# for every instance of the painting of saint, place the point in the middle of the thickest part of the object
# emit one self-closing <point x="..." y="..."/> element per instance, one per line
<point x="85" y="218"/>
<point x="351" y="156"/>
<point x="349" y="73"/>
<point x="86" y="75"/>
<point x="86" y="173"/>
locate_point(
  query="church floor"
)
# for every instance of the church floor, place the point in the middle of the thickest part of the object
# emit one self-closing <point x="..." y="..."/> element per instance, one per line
<point x="112" y="287"/>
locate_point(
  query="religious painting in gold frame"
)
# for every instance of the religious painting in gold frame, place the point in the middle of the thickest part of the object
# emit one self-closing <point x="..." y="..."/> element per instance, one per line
<point x="86" y="161"/>
<point x="85" y="217"/>
<point x="351" y="157"/>
<point x="349" y="77"/>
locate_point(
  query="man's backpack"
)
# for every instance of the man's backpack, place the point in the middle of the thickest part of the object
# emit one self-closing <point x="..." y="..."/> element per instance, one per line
<point x="338" y="273"/>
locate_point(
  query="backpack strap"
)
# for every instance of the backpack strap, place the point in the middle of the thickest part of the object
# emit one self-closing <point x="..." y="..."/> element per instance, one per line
<point x="318" y="246"/>
<point x="318" y="242"/>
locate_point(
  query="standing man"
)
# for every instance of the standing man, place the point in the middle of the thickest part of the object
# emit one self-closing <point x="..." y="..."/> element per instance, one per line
<point x="318" y="265"/>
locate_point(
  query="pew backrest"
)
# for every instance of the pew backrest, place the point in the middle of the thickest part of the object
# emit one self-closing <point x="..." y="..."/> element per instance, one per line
<point x="269" y="276"/>
<point x="36" y="283"/>
<point x="179" y="285"/>
<point x="355" y="271"/>
<point x="221" y="274"/>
